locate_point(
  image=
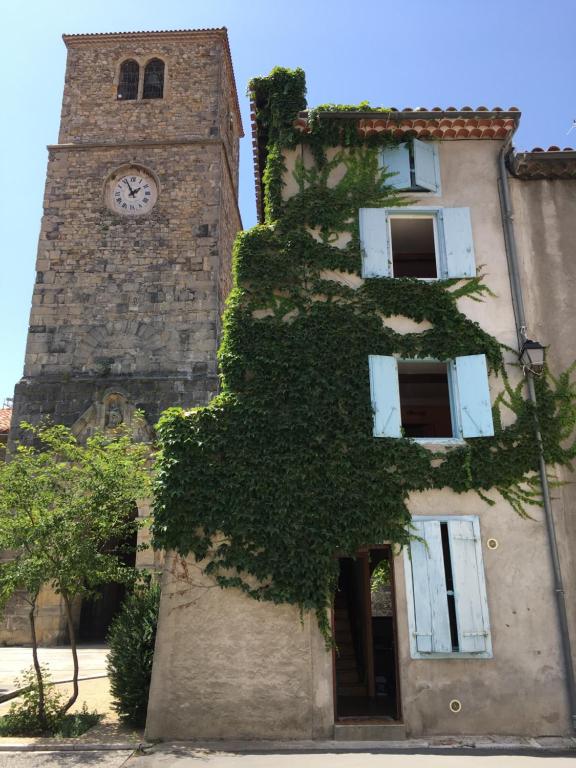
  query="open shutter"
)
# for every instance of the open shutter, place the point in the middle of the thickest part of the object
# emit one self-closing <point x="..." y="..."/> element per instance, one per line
<point x="426" y="166"/>
<point x="474" y="396"/>
<point x="374" y="242"/>
<point x="397" y="160"/>
<point x="469" y="587"/>
<point x="385" y="396"/>
<point x="458" y="243"/>
<point x="432" y="622"/>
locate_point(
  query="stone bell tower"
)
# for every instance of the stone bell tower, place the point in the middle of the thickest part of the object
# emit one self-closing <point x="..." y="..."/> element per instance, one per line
<point x="140" y="211"/>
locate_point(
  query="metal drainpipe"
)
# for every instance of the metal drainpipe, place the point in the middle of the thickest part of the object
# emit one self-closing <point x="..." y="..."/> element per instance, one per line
<point x="520" y="317"/>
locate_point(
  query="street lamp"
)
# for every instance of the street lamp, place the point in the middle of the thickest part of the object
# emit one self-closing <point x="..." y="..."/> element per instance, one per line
<point x="532" y="356"/>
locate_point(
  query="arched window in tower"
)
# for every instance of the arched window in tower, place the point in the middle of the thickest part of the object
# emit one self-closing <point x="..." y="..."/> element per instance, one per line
<point x="154" y="80"/>
<point x="128" y="83"/>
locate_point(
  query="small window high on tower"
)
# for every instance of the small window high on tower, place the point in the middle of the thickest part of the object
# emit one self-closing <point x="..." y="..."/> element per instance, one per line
<point x="128" y="83"/>
<point x="154" y="80"/>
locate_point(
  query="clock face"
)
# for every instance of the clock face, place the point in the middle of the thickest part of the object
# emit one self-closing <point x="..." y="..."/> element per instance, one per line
<point x="132" y="192"/>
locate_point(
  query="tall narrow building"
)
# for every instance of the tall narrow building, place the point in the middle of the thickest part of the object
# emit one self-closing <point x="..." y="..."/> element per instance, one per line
<point x="140" y="212"/>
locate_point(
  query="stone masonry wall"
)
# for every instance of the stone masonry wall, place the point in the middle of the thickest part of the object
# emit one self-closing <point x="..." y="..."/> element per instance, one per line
<point x="131" y="306"/>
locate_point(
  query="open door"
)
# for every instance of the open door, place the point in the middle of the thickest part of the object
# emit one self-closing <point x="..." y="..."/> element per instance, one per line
<point x="365" y="661"/>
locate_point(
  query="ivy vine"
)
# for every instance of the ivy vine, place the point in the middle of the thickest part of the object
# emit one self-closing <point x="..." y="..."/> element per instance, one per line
<point x="281" y="472"/>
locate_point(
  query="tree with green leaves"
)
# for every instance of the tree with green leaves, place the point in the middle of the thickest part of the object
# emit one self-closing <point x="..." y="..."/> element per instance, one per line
<point x="65" y="509"/>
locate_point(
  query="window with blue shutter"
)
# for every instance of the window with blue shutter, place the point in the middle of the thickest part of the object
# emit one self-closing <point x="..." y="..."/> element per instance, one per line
<point x="431" y="401"/>
<point x="446" y="590"/>
<point x="414" y="164"/>
<point x="473" y="396"/>
<point x="374" y="242"/>
<point x="385" y="396"/>
<point x="418" y="242"/>
<point x="458" y="244"/>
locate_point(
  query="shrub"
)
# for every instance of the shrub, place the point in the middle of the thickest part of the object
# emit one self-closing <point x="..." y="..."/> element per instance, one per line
<point x="23" y="718"/>
<point x="131" y="638"/>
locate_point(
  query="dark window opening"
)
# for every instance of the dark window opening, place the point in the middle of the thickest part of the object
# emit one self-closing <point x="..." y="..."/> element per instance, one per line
<point x="425" y="400"/>
<point x="129" y="77"/>
<point x="449" y="586"/>
<point x="413" y="247"/>
<point x="154" y="80"/>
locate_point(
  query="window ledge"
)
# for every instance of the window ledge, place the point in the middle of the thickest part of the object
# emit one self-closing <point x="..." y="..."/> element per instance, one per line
<point x="432" y="442"/>
<point x="454" y="655"/>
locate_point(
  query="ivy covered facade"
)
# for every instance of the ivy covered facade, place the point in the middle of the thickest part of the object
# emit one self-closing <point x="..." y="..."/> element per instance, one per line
<point x="355" y="542"/>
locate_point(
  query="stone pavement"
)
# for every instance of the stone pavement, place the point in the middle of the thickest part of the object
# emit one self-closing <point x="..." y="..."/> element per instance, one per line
<point x="13" y="661"/>
<point x="189" y="756"/>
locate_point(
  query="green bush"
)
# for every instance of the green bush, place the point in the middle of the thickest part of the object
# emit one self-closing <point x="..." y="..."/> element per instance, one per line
<point x="23" y="717"/>
<point x="131" y="639"/>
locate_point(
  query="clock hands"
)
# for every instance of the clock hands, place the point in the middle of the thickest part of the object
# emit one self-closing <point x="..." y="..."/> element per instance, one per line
<point x="132" y="192"/>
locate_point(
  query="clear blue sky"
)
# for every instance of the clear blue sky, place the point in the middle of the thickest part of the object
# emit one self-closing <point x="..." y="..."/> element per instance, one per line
<point x="418" y="53"/>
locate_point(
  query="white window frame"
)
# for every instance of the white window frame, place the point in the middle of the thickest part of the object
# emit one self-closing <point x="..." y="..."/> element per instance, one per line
<point x="457" y="437"/>
<point x="414" y="652"/>
<point x="425" y="212"/>
<point x="439" y="250"/>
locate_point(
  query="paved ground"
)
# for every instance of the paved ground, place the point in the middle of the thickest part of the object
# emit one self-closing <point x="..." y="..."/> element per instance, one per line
<point x="13" y="661"/>
<point x="114" y="759"/>
<point x="184" y="757"/>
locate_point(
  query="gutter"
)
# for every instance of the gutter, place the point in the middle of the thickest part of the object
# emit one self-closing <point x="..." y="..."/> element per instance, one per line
<point x="521" y="330"/>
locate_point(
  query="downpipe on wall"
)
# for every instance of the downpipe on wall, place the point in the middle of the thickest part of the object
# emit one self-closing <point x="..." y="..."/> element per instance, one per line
<point x="521" y="330"/>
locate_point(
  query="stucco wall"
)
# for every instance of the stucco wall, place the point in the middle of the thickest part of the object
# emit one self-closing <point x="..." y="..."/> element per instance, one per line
<point x="226" y="666"/>
<point x="545" y="229"/>
<point x="235" y="668"/>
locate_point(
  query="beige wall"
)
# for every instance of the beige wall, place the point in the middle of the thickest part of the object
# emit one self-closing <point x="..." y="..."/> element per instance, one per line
<point x="231" y="667"/>
<point x="226" y="666"/>
<point x="545" y="229"/>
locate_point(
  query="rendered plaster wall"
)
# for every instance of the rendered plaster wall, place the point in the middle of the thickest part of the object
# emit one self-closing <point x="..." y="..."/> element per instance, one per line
<point x="521" y="689"/>
<point x="226" y="666"/>
<point x="545" y="229"/>
<point x="232" y="667"/>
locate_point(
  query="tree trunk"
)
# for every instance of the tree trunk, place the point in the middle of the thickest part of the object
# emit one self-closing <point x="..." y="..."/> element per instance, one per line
<point x="37" y="667"/>
<point x="72" y="636"/>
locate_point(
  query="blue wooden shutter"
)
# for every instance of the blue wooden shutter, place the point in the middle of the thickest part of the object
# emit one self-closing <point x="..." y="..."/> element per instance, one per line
<point x="432" y="622"/>
<point x="426" y="166"/>
<point x="385" y="396"/>
<point x="397" y="160"/>
<point x="458" y="243"/>
<point x="469" y="587"/>
<point x="474" y="406"/>
<point x="374" y="242"/>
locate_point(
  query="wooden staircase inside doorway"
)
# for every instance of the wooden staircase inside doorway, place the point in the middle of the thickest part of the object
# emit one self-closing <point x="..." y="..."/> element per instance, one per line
<point x="349" y="681"/>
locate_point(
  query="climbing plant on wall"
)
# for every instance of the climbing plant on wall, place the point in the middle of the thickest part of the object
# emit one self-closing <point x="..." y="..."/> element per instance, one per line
<point x="281" y="472"/>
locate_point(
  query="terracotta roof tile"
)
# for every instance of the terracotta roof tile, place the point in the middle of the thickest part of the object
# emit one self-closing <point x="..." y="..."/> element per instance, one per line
<point x="5" y="419"/>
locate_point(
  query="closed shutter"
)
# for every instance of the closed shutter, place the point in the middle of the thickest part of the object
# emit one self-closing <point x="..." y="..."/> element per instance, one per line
<point x="432" y="622"/>
<point x="458" y="243"/>
<point x="469" y="587"/>
<point x="374" y="242"/>
<point x="426" y="166"/>
<point x="397" y="160"/>
<point x="473" y="396"/>
<point x="385" y="395"/>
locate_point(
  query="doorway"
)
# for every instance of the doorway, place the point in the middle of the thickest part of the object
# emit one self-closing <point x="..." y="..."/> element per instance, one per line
<point x="98" y="612"/>
<point x="365" y="661"/>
